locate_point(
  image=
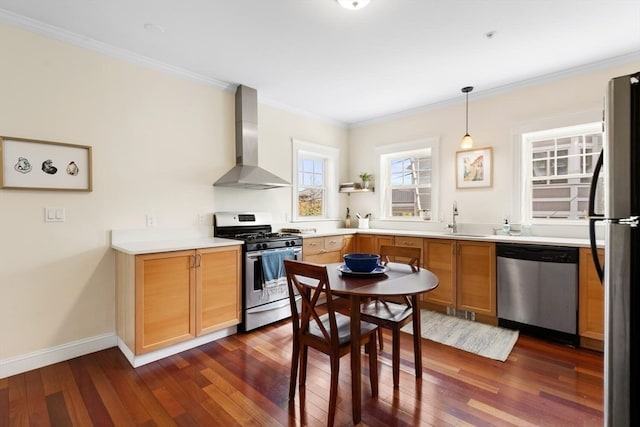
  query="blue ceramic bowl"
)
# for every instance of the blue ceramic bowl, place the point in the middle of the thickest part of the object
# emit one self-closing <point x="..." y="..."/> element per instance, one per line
<point x="361" y="263"/>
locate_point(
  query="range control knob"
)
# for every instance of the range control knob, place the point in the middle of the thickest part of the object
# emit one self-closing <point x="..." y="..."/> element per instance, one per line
<point x="292" y="243"/>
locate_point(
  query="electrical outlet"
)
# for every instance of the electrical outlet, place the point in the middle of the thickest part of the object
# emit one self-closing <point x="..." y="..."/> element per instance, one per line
<point x="151" y="220"/>
<point x="201" y="218"/>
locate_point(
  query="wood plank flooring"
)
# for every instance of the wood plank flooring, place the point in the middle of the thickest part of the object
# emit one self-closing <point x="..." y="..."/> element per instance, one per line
<point x="243" y="380"/>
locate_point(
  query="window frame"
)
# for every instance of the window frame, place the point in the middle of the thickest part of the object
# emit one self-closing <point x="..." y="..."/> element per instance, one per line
<point x="330" y="155"/>
<point x="526" y="162"/>
<point x="384" y="154"/>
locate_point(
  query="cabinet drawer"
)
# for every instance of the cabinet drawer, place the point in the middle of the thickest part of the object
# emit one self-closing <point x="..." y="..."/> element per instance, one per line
<point x="333" y="243"/>
<point x="314" y="245"/>
<point x="412" y="242"/>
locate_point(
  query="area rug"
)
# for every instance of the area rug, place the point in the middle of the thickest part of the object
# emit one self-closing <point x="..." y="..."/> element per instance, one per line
<point x="485" y="340"/>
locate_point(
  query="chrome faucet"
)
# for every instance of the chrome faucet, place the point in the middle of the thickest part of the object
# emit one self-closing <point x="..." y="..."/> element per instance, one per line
<point x="453" y="226"/>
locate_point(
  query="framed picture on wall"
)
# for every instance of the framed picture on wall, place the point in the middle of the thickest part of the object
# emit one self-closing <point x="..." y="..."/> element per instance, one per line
<point x="474" y="168"/>
<point x="44" y="165"/>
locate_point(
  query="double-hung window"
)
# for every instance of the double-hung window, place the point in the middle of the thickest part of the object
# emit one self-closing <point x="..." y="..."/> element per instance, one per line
<point x="407" y="185"/>
<point x="558" y="165"/>
<point x="315" y="181"/>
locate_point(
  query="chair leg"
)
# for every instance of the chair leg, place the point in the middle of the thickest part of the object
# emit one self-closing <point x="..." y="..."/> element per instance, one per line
<point x="380" y="338"/>
<point x="333" y="391"/>
<point x="395" y="358"/>
<point x="373" y="366"/>
<point x="303" y="366"/>
<point x="295" y="359"/>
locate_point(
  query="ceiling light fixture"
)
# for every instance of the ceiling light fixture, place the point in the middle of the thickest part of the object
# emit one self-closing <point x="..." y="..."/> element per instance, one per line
<point x="467" y="142"/>
<point x="353" y="4"/>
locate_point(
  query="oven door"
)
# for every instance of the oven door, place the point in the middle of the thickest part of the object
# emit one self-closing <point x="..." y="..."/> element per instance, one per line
<point x="255" y="292"/>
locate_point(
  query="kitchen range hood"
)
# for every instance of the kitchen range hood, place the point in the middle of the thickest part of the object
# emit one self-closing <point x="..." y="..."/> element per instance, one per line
<point x="246" y="173"/>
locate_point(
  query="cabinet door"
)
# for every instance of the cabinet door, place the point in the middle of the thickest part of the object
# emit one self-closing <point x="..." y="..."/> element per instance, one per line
<point x="591" y="298"/>
<point x="165" y="296"/>
<point x="439" y="258"/>
<point x="476" y="277"/>
<point x="366" y="243"/>
<point x="218" y="276"/>
<point x="349" y="245"/>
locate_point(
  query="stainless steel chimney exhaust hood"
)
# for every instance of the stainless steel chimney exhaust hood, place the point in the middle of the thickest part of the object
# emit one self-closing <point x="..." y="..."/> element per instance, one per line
<point x="246" y="173"/>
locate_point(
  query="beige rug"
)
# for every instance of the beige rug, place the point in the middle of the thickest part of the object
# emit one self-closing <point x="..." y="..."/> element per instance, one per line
<point x="485" y="340"/>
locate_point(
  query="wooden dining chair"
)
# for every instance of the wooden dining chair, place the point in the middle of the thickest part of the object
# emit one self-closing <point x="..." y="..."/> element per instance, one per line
<point x="394" y="315"/>
<point x="329" y="333"/>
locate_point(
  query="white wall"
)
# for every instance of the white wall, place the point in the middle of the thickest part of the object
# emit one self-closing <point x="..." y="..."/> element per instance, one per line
<point x="494" y="121"/>
<point x="159" y="142"/>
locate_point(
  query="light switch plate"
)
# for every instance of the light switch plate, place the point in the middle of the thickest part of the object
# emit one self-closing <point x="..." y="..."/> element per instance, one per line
<point x="54" y="214"/>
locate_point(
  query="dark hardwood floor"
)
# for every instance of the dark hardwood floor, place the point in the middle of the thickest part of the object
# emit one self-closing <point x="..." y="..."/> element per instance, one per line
<point x="243" y="380"/>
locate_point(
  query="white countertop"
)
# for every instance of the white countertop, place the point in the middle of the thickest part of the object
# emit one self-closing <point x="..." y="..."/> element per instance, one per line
<point x="532" y="240"/>
<point x="137" y="242"/>
<point x="148" y="247"/>
<point x="147" y="241"/>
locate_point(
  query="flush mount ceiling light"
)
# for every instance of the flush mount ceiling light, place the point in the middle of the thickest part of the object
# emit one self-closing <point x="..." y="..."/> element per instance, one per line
<point x="353" y="4"/>
<point x="467" y="142"/>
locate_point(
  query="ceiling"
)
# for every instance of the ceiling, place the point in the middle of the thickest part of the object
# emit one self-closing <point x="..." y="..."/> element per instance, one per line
<point x="351" y="67"/>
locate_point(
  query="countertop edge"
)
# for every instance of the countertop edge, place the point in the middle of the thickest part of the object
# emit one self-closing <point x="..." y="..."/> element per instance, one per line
<point x="154" y="246"/>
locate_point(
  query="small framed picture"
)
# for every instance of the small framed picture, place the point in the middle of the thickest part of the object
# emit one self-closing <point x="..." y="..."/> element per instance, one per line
<point x="474" y="168"/>
<point x="32" y="164"/>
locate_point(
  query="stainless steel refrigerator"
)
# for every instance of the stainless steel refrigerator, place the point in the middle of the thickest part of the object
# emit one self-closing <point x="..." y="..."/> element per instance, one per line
<point x="620" y="160"/>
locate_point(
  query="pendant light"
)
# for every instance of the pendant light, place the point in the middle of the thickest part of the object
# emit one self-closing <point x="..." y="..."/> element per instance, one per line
<point x="467" y="142"/>
<point x="353" y="4"/>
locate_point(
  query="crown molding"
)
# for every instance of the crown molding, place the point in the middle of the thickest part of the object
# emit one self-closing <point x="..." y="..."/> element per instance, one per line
<point x="546" y="78"/>
<point x="69" y="37"/>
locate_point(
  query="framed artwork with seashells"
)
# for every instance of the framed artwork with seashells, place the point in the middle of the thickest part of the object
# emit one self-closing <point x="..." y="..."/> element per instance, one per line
<point x="31" y="164"/>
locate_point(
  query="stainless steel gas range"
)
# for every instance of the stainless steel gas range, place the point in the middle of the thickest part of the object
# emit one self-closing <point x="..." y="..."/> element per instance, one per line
<point x="265" y="295"/>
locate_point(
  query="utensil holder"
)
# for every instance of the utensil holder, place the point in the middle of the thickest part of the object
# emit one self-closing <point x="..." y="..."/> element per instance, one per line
<point x="363" y="223"/>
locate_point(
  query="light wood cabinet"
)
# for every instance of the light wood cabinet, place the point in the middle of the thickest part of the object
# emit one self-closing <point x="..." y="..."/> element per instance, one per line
<point x="323" y="250"/>
<point x="440" y="259"/>
<point x="591" y="302"/>
<point x="476" y="277"/>
<point x="218" y="296"/>
<point x="349" y="245"/>
<point x="170" y="297"/>
<point x="370" y="243"/>
<point x="164" y="299"/>
<point x="466" y="273"/>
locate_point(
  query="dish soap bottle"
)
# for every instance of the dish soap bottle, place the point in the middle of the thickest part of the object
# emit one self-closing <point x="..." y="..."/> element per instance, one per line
<point x="347" y="220"/>
<point x="506" y="227"/>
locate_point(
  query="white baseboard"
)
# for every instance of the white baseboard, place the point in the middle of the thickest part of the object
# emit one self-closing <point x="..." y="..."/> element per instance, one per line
<point x="38" y="359"/>
<point x="143" y="359"/>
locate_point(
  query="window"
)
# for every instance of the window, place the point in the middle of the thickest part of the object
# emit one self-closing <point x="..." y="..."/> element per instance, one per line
<point x="558" y="165"/>
<point x="407" y="173"/>
<point x="315" y="182"/>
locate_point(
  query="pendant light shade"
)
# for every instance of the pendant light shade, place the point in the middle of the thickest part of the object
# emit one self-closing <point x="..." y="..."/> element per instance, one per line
<point x="467" y="142"/>
<point x="353" y="4"/>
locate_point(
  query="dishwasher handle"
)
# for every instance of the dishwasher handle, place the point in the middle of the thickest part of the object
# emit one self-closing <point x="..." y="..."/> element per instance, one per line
<point x="540" y="253"/>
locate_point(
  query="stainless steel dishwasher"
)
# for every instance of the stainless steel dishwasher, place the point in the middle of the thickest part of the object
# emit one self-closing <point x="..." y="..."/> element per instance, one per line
<point x="538" y="290"/>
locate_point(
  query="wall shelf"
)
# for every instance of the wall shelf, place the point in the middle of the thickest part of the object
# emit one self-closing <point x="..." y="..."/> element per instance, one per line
<point x="358" y="190"/>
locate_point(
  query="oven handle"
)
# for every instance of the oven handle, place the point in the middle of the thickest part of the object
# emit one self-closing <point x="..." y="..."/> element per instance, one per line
<point x="270" y="307"/>
<point x="257" y="254"/>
